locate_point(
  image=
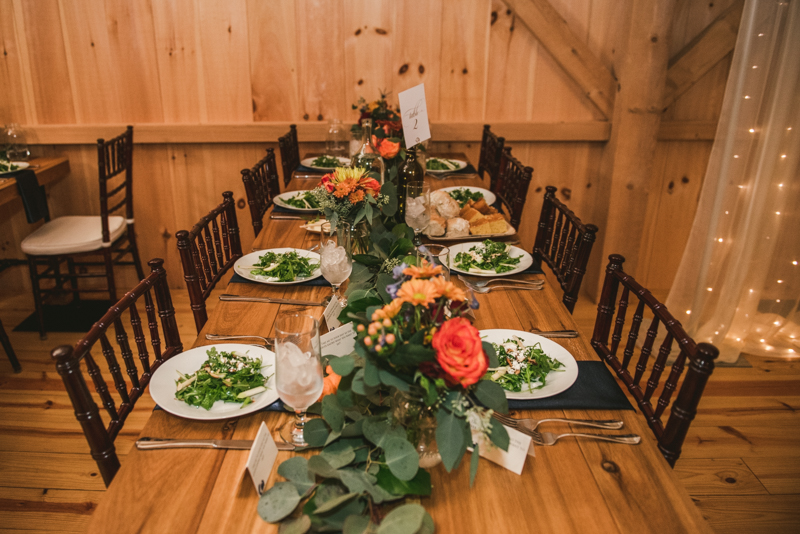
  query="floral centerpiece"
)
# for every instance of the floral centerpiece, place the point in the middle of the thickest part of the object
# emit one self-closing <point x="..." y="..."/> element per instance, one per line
<point x="348" y="196"/>
<point x="387" y="132"/>
<point x="414" y="344"/>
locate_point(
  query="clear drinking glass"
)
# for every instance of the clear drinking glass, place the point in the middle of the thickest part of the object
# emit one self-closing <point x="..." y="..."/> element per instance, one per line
<point x="438" y="255"/>
<point x="298" y="370"/>
<point x="336" y="260"/>
<point x="336" y="142"/>
<point x="16" y="146"/>
<point x="418" y="212"/>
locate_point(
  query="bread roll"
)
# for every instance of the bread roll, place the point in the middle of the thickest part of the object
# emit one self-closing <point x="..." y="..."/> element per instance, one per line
<point x="470" y="214"/>
<point x="444" y="204"/>
<point x="437" y="226"/>
<point x="457" y="227"/>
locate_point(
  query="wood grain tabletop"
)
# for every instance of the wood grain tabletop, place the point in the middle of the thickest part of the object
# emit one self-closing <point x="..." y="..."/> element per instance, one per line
<point x="574" y="486"/>
<point x="48" y="170"/>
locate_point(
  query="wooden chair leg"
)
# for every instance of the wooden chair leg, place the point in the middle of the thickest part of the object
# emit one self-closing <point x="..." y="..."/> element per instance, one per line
<point x="12" y="357"/>
<point x="137" y="262"/>
<point x="112" y="288"/>
<point x="37" y="296"/>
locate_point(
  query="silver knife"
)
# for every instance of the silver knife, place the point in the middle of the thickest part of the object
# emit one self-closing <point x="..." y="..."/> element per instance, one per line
<point x="269" y="300"/>
<point x="148" y="443"/>
<point x="286" y="217"/>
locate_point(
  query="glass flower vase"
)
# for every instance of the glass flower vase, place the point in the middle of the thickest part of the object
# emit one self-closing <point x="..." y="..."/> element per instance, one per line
<point x="359" y="236"/>
<point x="419" y="421"/>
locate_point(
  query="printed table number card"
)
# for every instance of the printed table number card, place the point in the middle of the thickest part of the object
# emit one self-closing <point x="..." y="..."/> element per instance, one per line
<point x="331" y="314"/>
<point x="339" y="342"/>
<point x="262" y="457"/>
<point x="414" y="113"/>
<point x="519" y="446"/>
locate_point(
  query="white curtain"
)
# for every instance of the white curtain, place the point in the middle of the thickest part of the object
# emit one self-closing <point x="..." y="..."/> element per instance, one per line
<point x="738" y="283"/>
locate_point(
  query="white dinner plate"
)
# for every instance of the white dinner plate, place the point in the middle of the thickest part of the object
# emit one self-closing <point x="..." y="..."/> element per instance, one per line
<point x="307" y="163"/>
<point x="241" y="267"/>
<point x="515" y="252"/>
<point x="163" y="386"/>
<point x="461" y="165"/>
<point x="283" y="197"/>
<point x="488" y="196"/>
<point x="557" y="381"/>
<point x="20" y="165"/>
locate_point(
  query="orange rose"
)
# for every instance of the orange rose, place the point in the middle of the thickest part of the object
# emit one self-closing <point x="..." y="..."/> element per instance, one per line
<point x="459" y="351"/>
<point x="387" y="149"/>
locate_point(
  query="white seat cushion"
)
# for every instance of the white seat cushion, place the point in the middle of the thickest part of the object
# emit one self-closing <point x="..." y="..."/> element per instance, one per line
<point x="71" y="234"/>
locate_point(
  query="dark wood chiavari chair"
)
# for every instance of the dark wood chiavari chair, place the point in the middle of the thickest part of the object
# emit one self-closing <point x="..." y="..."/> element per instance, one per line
<point x="12" y="356"/>
<point x="564" y="243"/>
<point x="158" y="308"/>
<point x="207" y="252"/>
<point x="511" y="186"/>
<point x="700" y="358"/>
<point x="290" y="153"/>
<point x="491" y="154"/>
<point x="71" y="237"/>
<point x="262" y="185"/>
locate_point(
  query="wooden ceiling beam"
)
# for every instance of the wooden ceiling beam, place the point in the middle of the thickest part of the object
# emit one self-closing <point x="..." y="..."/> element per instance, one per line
<point x="702" y="53"/>
<point x="570" y="52"/>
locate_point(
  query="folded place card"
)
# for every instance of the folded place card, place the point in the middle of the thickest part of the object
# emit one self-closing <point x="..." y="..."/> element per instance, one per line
<point x="519" y="446"/>
<point x="339" y="342"/>
<point x="332" y="312"/>
<point x="262" y="457"/>
<point x="414" y="114"/>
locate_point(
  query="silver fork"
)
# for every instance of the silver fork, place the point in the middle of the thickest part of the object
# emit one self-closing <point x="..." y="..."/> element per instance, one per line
<point x="530" y="425"/>
<point x="218" y="337"/>
<point x="548" y="438"/>
<point x="490" y="288"/>
<point x="483" y="283"/>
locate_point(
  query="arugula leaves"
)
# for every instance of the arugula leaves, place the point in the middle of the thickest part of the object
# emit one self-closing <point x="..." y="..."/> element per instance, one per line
<point x="521" y="365"/>
<point x="327" y="162"/>
<point x="286" y="267"/>
<point x="464" y="195"/>
<point x="487" y="257"/>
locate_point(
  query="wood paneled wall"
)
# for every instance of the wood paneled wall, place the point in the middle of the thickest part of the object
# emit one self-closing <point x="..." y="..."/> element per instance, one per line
<point x="210" y="84"/>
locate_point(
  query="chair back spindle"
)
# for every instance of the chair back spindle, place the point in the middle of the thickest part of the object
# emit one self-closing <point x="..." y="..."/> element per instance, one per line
<point x="701" y="358"/>
<point x="262" y="185"/>
<point x="207" y="252"/>
<point x="511" y="186"/>
<point x="564" y="243"/>
<point x="290" y="153"/>
<point x="491" y="154"/>
<point x="115" y="157"/>
<point x="68" y="364"/>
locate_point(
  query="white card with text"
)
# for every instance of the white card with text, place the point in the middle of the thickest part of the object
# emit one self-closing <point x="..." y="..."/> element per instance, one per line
<point x="513" y="459"/>
<point x="339" y="342"/>
<point x="331" y="314"/>
<point x="262" y="457"/>
<point x="414" y="113"/>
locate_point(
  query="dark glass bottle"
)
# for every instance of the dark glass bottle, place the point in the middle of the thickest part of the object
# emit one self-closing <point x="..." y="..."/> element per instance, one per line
<point x="409" y="172"/>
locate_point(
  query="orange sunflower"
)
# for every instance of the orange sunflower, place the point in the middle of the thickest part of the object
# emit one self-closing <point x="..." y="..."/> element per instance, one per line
<point x="417" y="292"/>
<point x="448" y="290"/>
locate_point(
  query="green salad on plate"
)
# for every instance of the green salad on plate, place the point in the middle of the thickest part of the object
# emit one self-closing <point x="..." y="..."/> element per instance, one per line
<point x="224" y="376"/>
<point x="522" y="365"/>
<point x="464" y="195"/>
<point x="489" y="257"/>
<point x="303" y="200"/>
<point x="285" y="267"/>
<point x="441" y="164"/>
<point x="327" y="162"/>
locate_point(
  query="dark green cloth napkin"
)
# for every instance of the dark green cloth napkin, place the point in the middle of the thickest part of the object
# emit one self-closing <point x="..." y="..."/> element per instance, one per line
<point x="33" y="196"/>
<point x="595" y="389"/>
<point x="236" y="279"/>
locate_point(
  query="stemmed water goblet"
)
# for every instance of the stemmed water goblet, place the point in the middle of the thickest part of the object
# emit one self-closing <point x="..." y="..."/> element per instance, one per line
<point x="298" y="370"/>
<point x="336" y="261"/>
<point x="418" y="213"/>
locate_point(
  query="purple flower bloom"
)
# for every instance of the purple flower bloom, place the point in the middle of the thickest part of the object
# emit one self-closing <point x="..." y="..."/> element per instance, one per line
<point x="392" y="289"/>
<point x="397" y="272"/>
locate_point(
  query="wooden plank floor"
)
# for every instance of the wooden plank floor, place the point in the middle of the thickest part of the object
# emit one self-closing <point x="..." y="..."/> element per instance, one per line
<point x="740" y="462"/>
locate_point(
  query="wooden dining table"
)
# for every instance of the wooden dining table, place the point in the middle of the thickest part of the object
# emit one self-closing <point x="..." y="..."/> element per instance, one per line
<point x="48" y="171"/>
<point x="573" y="486"/>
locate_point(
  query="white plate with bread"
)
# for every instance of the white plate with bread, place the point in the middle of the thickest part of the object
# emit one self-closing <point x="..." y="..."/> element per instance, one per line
<point x="450" y="222"/>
